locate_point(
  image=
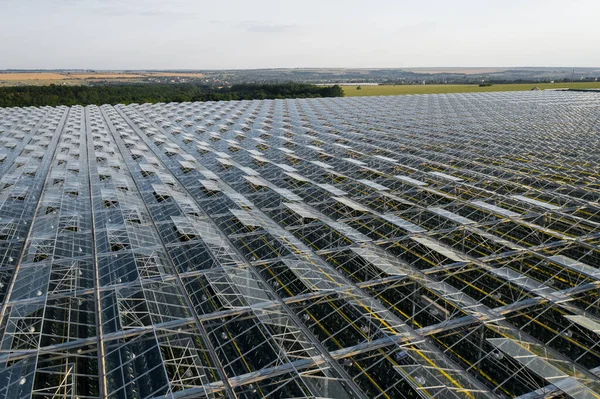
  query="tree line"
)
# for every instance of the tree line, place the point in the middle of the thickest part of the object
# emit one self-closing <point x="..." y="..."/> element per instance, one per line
<point x="53" y="95"/>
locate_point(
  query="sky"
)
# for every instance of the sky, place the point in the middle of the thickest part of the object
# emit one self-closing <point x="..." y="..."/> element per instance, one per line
<point x="236" y="34"/>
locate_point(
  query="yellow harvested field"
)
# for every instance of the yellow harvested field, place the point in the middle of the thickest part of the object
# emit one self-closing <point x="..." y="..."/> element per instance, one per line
<point x="105" y="76"/>
<point x="82" y="78"/>
<point x="32" y="76"/>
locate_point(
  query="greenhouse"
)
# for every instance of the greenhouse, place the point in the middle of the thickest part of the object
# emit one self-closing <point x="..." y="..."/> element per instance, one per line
<point x="424" y="246"/>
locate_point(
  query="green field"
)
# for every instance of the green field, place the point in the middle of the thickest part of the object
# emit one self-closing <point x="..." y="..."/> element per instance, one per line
<point x="350" y="91"/>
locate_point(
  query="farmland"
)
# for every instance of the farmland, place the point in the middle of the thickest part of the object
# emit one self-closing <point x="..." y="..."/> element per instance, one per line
<point x="82" y="78"/>
<point x="392" y="90"/>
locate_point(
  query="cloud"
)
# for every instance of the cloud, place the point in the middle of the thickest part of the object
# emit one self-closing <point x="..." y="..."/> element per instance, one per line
<point x="117" y="8"/>
<point x="118" y="11"/>
<point x="271" y="27"/>
<point x="254" y="26"/>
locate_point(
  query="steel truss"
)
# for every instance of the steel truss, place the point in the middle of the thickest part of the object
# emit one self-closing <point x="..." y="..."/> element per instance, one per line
<point x="438" y="246"/>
